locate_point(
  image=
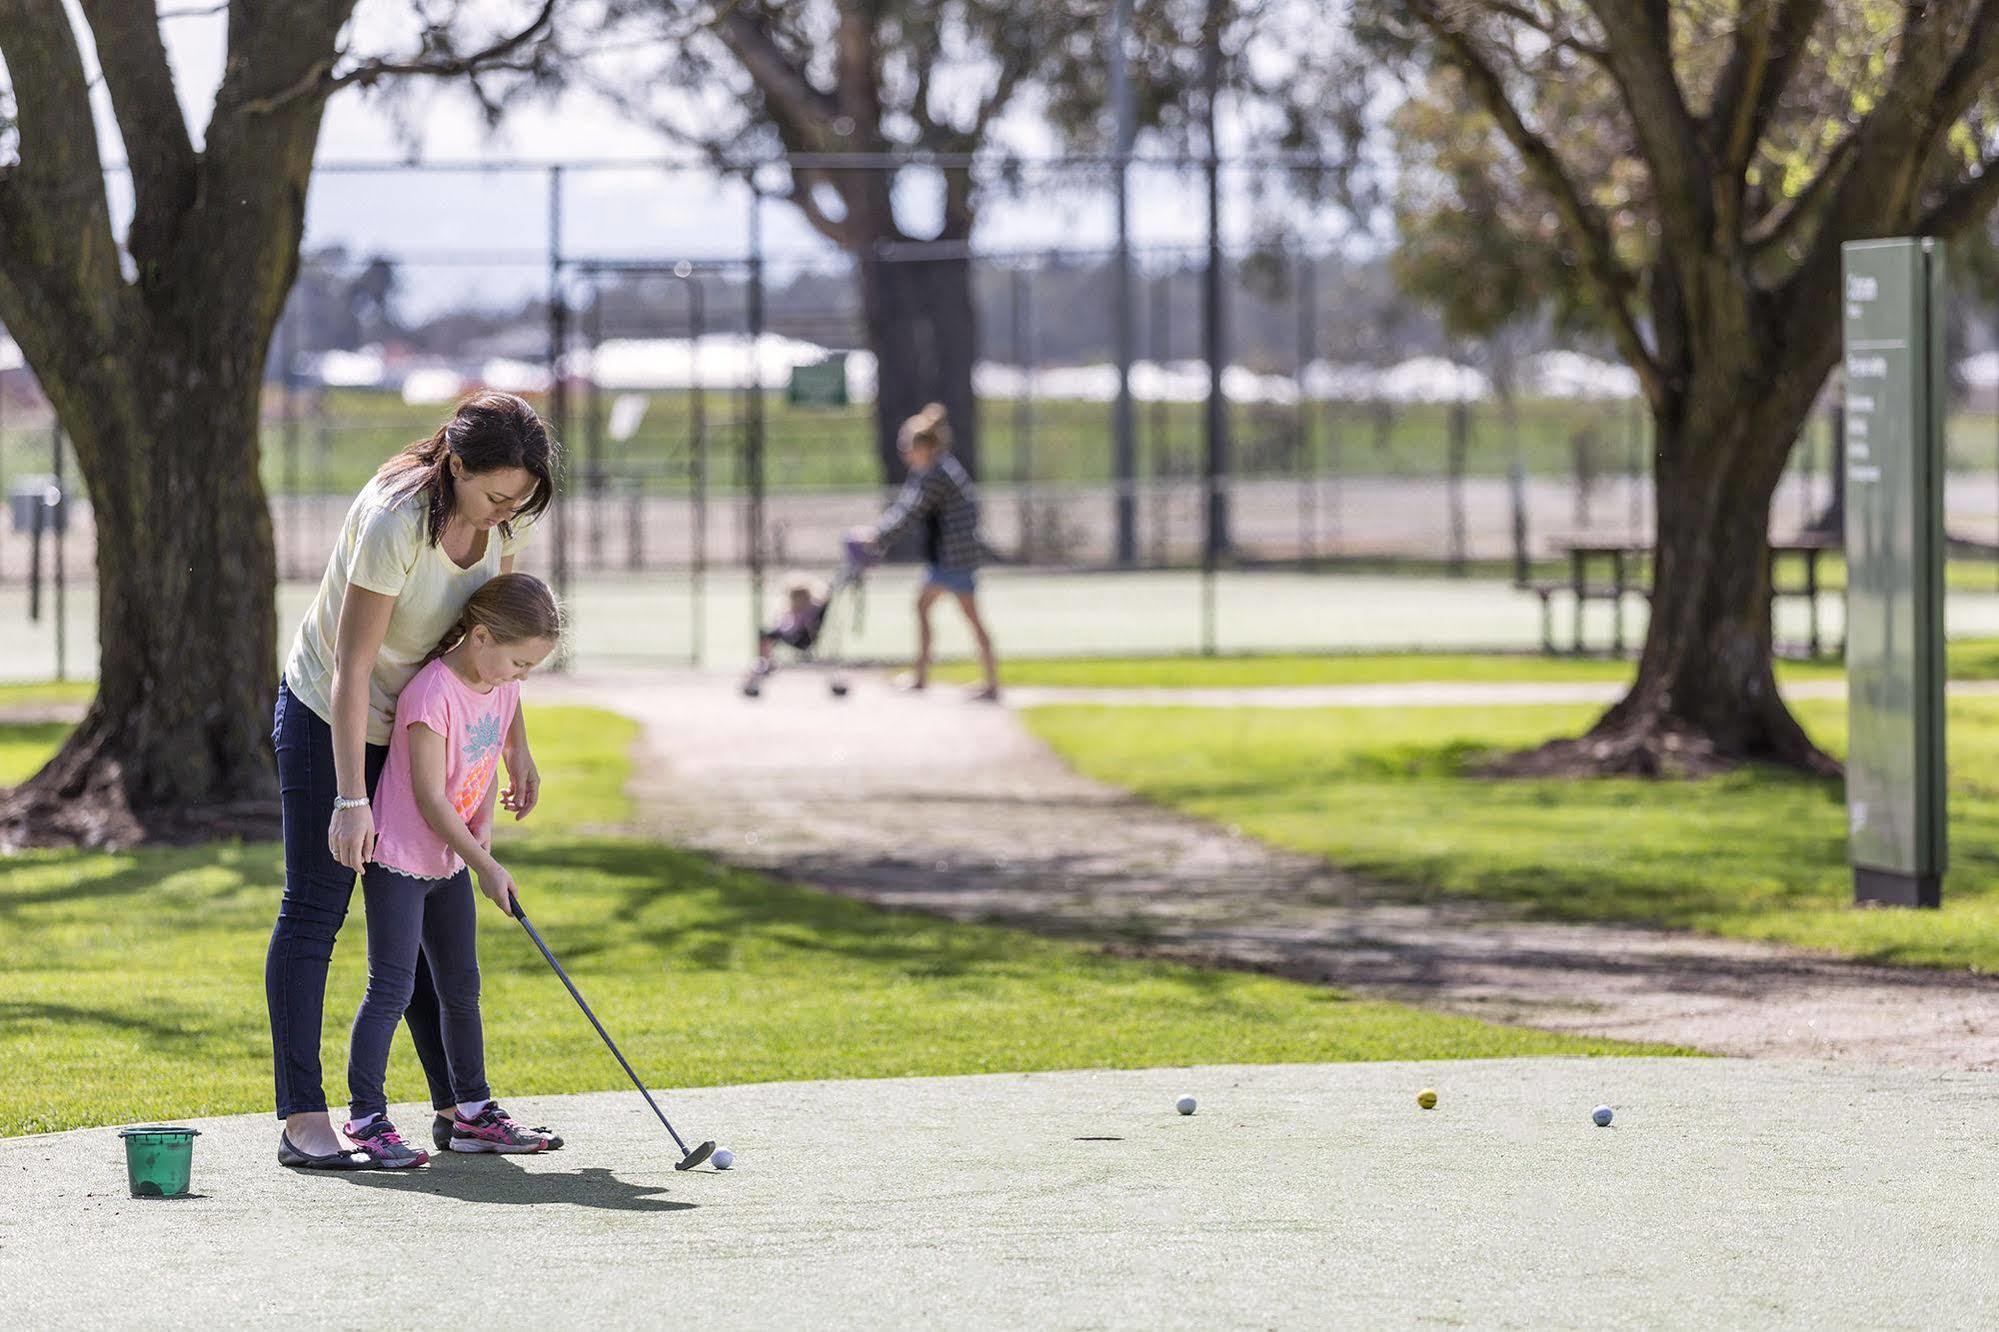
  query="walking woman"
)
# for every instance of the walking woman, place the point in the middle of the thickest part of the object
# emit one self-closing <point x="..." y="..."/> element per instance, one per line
<point x="437" y="522"/>
<point x="938" y="500"/>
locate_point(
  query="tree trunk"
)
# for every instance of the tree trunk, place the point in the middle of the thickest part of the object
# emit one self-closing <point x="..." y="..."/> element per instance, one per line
<point x="1706" y="697"/>
<point x="176" y="745"/>
<point x="923" y="330"/>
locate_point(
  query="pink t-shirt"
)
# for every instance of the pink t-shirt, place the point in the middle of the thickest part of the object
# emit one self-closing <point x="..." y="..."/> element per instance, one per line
<point x="473" y="725"/>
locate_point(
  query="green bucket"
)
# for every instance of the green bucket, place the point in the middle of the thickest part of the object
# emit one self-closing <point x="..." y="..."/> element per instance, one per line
<point x="157" y="1159"/>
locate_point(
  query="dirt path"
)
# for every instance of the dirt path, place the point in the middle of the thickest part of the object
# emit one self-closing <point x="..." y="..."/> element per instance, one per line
<point x="949" y="807"/>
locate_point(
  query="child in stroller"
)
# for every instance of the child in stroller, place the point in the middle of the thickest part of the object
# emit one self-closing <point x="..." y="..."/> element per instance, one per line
<point x="808" y="605"/>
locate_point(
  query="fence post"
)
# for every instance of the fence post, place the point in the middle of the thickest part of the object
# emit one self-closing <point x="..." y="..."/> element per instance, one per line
<point x="1124" y="461"/>
<point x="1308" y="507"/>
<point x="288" y="349"/>
<point x="1161" y="470"/>
<point x="593" y="423"/>
<point x="1216" y="536"/>
<point x="1023" y="416"/>
<point x="1213" y="332"/>
<point x="1516" y="484"/>
<point x="1334" y="460"/>
<point x="558" y="340"/>
<point x="1455" y="483"/>
<point x="1636" y="426"/>
<point x="754" y="436"/>
<point x="35" y="526"/>
<point x="59" y="520"/>
<point x="697" y="425"/>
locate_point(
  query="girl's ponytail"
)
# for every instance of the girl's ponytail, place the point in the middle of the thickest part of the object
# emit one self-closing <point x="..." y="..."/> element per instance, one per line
<point x="513" y="607"/>
<point x="452" y="636"/>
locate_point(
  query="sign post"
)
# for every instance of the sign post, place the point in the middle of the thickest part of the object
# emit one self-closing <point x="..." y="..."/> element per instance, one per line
<point x="1894" y="374"/>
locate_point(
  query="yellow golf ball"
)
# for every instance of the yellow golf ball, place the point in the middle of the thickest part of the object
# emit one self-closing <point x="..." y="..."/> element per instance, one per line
<point x="1427" y="1099"/>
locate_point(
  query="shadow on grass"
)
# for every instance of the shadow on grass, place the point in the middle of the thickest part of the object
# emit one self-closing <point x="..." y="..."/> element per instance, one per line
<point x="165" y="1029"/>
<point x="496" y="1180"/>
<point x="132" y="873"/>
<point x="727" y="911"/>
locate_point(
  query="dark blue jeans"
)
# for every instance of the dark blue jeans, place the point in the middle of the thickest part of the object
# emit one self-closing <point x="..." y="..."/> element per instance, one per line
<point x="410" y="922"/>
<point x="317" y="890"/>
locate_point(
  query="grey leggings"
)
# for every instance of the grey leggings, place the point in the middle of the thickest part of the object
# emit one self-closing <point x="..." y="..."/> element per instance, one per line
<point x="439" y="918"/>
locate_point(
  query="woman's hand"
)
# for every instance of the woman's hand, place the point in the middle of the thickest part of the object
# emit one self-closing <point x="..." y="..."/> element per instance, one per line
<point x="498" y="885"/>
<point x="523" y="791"/>
<point x="351" y="837"/>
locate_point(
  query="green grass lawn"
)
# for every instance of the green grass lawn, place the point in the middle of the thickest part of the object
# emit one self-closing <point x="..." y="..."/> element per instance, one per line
<point x="1758" y="854"/>
<point x="1970" y="659"/>
<point x="46" y="694"/>
<point x="347" y="433"/>
<point x="131" y="985"/>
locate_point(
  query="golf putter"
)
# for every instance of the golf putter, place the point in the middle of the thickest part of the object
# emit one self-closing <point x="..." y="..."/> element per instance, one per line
<point x="688" y="1160"/>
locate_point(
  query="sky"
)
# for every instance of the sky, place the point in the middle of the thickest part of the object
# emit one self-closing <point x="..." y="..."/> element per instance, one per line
<point x="481" y="238"/>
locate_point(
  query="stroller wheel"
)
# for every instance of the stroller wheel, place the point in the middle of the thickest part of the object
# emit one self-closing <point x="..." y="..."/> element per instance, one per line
<point x="839" y="688"/>
<point x="751" y="689"/>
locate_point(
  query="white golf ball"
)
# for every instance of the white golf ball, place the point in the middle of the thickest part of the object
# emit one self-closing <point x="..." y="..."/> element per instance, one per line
<point x="723" y="1158"/>
<point x="1601" y="1115"/>
<point x="1185" y="1105"/>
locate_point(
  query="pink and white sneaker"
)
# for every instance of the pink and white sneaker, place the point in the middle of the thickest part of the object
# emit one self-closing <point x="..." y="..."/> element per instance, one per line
<point x="491" y="1130"/>
<point x="384" y="1145"/>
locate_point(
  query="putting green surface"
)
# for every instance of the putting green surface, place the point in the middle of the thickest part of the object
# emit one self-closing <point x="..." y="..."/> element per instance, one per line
<point x="135" y="990"/>
<point x="1394" y="794"/>
<point x="1724" y="1194"/>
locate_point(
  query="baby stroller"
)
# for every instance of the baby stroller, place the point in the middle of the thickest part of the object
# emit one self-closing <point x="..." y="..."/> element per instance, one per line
<point x="809" y="629"/>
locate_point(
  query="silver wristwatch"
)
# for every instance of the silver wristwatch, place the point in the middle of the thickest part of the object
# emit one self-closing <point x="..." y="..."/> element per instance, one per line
<point x="344" y="802"/>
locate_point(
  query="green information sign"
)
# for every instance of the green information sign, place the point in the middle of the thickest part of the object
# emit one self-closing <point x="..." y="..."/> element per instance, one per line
<point x="820" y="384"/>
<point x="1894" y="375"/>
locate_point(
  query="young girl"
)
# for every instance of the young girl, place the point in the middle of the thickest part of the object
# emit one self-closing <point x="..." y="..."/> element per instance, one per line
<point x="434" y="813"/>
<point x="939" y="495"/>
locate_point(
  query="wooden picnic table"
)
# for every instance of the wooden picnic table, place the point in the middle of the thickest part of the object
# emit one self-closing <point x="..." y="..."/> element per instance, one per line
<point x="1623" y="557"/>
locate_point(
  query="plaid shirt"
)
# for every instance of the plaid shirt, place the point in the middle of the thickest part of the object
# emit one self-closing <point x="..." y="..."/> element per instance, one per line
<point x="945" y="502"/>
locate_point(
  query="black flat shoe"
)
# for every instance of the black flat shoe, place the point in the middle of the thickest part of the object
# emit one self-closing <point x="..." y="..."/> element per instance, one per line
<point x="291" y="1156"/>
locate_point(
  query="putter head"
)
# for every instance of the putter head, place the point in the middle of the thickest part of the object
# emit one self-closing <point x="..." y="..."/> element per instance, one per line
<point x="697" y="1156"/>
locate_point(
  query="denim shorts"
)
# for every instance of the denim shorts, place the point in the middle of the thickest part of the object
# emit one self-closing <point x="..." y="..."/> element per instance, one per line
<point x="962" y="581"/>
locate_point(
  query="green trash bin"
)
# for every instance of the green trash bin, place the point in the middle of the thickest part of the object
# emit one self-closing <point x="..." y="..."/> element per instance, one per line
<point x="157" y="1159"/>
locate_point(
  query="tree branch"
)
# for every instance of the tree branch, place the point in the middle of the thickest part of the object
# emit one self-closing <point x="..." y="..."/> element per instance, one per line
<point x="791" y="96"/>
<point x="63" y="291"/>
<point x="1017" y="64"/>
<point x="447" y="63"/>
<point x="803" y="182"/>
<point x="53" y="212"/>
<point x="1760" y="64"/>
<point x="856" y="83"/>
<point x="919" y="106"/>
<point x="1784" y="225"/>
<point x="1557" y="38"/>
<point x="157" y="146"/>
<point x="1892" y="146"/>
<point x="1964" y="206"/>
<point x="1610" y="282"/>
<point x="1641" y="62"/>
<point x="1974" y="69"/>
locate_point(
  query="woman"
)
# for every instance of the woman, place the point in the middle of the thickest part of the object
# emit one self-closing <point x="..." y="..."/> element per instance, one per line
<point x="438" y="521"/>
<point x="937" y="498"/>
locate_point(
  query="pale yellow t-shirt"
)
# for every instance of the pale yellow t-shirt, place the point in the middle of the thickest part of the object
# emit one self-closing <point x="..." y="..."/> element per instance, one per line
<point x="384" y="548"/>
